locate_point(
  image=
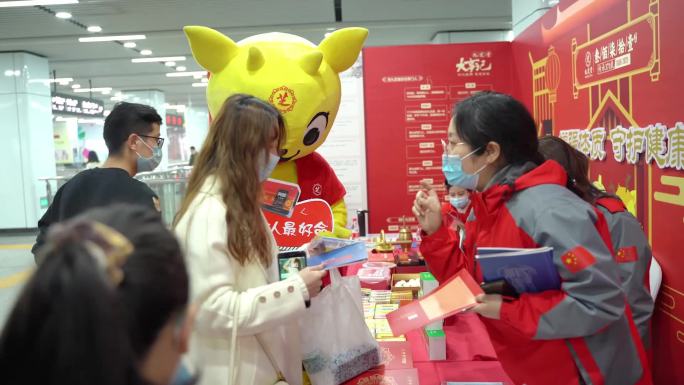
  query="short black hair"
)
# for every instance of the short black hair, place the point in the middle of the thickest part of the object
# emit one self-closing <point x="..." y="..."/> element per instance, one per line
<point x="192" y="147"/>
<point x="126" y="119"/>
<point x="92" y="157"/>
<point x="492" y="116"/>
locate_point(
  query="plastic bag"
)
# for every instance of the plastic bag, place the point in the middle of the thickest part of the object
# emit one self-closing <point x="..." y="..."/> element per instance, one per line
<point x="336" y="343"/>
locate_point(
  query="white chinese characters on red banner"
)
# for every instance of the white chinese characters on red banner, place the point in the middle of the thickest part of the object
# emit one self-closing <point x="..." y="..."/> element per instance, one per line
<point x="628" y="50"/>
<point x="479" y="64"/>
<point x="656" y="142"/>
<point x="309" y="218"/>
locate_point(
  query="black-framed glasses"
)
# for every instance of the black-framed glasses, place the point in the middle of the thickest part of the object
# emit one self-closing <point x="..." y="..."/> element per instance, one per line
<point x="159" y="139"/>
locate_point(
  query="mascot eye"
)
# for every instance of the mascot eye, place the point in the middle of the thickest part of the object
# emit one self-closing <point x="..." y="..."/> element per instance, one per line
<point x="317" y="125"/>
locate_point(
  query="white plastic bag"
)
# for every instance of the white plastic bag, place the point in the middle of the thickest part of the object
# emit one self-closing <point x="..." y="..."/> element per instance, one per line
<point x="336" y="343"/>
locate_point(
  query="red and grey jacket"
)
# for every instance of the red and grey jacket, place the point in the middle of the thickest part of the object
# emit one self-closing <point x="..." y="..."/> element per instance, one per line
<point x="633" y="256"/>
<point x="580" y="333"/>
<point x="450" y="213"/>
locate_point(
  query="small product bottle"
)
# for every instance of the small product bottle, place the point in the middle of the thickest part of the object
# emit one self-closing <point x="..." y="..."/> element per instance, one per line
<point x="355" y="228"/>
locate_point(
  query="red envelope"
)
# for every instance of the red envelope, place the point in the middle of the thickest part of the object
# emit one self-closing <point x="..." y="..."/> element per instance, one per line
<point x="454" y="296"/>
<point x="381" y="376"/>
<point x="396" y="354"/>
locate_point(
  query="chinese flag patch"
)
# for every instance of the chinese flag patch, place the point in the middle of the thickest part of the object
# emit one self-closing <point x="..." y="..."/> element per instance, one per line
<point x="627" y="254"/>
<point x="578" y="259"/>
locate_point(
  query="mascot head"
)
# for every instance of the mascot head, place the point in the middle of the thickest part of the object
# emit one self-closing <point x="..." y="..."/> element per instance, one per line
<point x="297" y="77"/>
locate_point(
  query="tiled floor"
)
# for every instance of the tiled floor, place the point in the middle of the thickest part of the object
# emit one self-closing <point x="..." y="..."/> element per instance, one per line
<point x="16" y="264"/>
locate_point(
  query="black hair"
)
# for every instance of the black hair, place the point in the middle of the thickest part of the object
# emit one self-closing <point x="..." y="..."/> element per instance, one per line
<point x="73" y="325"/>
<point x="576" y="164"/>
<point x="192" y="148"/>
<point x="126" y="119"/>
<point x="495" y="117"/>
<point x="92" y="157"/>
<point x="446" y="184"/>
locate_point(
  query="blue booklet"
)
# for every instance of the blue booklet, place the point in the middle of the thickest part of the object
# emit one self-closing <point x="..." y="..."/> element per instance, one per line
<point x="333" y="252"/>
<point x="526" y="270"/>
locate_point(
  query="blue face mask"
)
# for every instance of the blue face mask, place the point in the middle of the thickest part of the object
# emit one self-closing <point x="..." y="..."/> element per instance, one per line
<point x="148" y="164"/>
<point x="183" y="376"/>
<point x="459" y="203"/>
<point x="453" y="171"/>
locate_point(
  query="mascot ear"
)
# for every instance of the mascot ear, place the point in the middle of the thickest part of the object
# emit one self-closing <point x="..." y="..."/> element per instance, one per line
<point x="212" y="49"/>
<point x="342" y="47"/>
<point x="255" y="60"/>
<point x="311" y="61"/>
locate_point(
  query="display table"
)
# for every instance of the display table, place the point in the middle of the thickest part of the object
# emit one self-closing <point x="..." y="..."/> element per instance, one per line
<point x="470" y="354"/>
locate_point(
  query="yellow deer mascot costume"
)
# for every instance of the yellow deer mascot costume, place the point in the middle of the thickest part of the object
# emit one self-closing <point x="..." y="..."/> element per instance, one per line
<point x="302" y="81"/>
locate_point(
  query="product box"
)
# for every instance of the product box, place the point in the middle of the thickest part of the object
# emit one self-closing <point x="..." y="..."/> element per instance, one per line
<point x="406" y="282"/>
<point x="383" y="332"/>
<point x="380" y="296"/>
<point x="374" y="277"/>
<point x="436" y="344"/>
<point x="381" y="310"/>
<point x="368" y="310"/>
<point x="401" y="296"/>
<point x="370" y="322"/>
<point x="428" y="283"/>
<point x="381" y="257"/>
<point x="437" y="325"/>
<point x="279" y="197"/>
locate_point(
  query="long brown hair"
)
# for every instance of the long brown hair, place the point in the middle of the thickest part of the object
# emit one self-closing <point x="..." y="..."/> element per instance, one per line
<point x="241" y="133"/>
<point x="575" y="164"/>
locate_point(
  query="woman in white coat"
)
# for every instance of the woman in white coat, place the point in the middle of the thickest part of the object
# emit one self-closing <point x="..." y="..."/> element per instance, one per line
<point x="245" y="314"/>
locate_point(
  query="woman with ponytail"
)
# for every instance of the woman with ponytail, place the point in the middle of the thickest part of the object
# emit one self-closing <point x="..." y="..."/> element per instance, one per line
<point x="106" y="306"/>
<point x="632" y="250"/>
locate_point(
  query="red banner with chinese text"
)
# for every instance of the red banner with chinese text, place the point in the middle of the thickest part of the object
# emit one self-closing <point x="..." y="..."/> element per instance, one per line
<point x="606" y="76"/>
<point x="408" y="109"/>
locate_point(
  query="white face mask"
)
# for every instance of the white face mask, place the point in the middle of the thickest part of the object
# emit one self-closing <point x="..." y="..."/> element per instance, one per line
<point x="265" y="170"/>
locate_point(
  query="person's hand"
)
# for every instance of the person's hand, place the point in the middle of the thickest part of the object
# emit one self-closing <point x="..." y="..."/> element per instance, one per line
<point x="488" y="305"/>
<point x="427" y="209"/>
<point x="312" y="277"/>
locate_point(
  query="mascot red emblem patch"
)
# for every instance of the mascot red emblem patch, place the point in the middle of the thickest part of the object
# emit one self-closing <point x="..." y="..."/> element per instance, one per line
<point x="283" y="98"/>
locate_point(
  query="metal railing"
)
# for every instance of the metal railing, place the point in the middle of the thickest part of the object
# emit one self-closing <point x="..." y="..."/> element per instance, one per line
<point x="52" y="184"/>
<point x="169" y="185"/>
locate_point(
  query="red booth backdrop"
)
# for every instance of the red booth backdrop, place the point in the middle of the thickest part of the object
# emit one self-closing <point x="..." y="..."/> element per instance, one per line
<point x="605" y="75"/>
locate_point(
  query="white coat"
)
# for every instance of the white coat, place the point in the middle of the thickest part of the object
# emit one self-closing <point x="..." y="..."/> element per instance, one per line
<point x="267" y="307"/>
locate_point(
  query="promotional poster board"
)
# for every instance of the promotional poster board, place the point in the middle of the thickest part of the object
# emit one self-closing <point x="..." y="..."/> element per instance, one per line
<point x="409" y="95"/>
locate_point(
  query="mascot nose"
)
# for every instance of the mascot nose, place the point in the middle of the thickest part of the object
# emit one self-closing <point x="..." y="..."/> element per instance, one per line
<point x="311" y="137"/>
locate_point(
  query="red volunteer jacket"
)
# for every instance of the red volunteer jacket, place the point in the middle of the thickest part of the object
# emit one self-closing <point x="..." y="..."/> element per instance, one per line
<point x="633" y="256"/>
<point x="450" y="213"/>
<point x="584" y="330"/>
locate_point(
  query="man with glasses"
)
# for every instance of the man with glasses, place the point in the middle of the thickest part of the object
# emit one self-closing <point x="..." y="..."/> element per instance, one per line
<point x="131" y="133"/>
